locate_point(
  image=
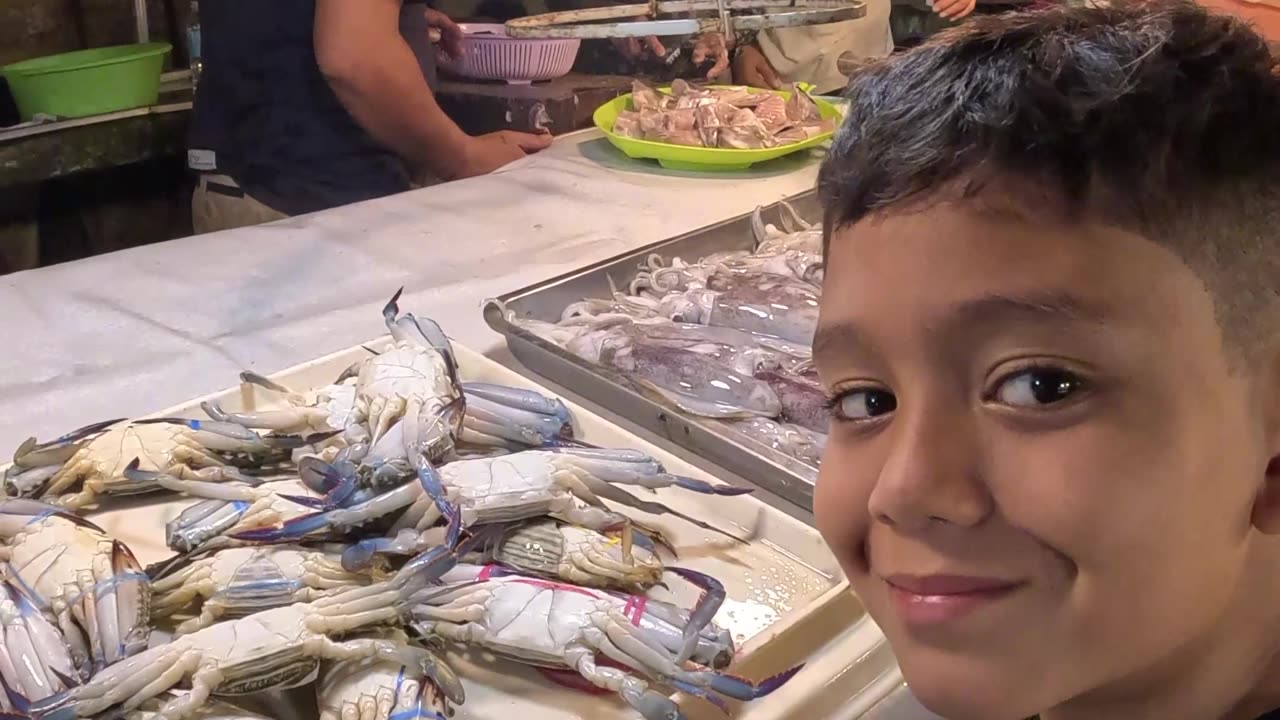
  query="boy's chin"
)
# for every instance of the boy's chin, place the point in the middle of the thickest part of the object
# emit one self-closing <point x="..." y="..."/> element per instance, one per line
<point x="970" y="689"/>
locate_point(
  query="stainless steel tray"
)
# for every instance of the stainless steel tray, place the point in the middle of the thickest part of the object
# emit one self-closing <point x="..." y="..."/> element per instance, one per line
<point x="716" y="441"/>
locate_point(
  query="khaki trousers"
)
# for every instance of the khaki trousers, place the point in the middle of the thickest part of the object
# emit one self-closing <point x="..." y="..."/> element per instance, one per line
<point x="225" y="206"/>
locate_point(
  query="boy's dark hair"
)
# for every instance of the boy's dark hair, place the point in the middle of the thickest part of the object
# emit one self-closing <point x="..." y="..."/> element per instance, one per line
<point x="1158" y="117"/>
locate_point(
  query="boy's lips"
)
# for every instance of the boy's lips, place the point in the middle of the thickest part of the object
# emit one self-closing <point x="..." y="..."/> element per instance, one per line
<point x="937" y="599"/>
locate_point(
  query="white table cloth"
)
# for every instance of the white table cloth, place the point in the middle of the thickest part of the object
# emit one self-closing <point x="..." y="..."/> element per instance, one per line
<point x="135" y="331"/>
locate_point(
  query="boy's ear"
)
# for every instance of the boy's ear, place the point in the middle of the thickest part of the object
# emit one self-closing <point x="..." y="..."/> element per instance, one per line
<point x="1266" y="506"/>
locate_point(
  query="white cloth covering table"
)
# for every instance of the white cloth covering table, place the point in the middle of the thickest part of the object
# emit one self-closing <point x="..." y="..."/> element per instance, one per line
<point x="138" y="330"/>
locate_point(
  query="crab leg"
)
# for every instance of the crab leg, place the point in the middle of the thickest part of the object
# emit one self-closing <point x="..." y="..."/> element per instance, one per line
<point x="372" y="648"/>
<point x="521" y="399"/>
<point x="29" y="482"/>
<point x="632" y="467"/>
<point x="58" y="450"/>
<point x="651" y="704"/>
<point x="277" y="420"/>
<point x="183" y="479"/>
<point x="493" y="423"/>
<point x="28" y="455"/>
<point x="35" y="663"/>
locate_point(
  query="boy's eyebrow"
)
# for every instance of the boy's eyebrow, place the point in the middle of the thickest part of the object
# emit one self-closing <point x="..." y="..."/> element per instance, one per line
<point x="1047" y="306"/>
<point x="1037" y="307"/>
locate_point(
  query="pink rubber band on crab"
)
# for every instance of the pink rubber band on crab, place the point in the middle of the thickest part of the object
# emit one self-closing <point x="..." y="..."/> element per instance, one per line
<point x="634" y="610"/>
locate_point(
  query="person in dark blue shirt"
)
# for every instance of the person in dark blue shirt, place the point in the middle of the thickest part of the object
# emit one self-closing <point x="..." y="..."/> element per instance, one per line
<point x="305" y="105"/>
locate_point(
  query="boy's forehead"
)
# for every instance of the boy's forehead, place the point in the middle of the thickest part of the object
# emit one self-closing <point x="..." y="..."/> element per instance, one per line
<point x="961" y="264"/>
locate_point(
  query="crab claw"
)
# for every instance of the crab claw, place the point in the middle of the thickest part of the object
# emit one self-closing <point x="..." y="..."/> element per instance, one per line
<point x="325" y="478"/>
<point x="691" y="689"/>
<point x="392" y="309"/>
<point x="651" y="704"/>
<point x="445" y="680"/>
<point x="19" y="701"/>
<point x="431" y="484"/>
<point x="360" y="556"/>
<point x="253" y="378"/>
<point x="294" y="529"/>
<point x="430" y="566"/>
<point x="713" y="595"/>
<point x="60" y="706"/>
<point x="740" y="689"/>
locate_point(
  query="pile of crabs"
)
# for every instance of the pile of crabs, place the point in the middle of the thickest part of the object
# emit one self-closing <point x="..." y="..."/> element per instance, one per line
<point x="341" y="543"/>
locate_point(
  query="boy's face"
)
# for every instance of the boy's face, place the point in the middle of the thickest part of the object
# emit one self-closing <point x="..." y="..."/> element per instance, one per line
<point x="1041" y="473"/>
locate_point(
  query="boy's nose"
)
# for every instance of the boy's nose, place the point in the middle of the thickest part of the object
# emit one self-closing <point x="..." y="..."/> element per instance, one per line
<point x="932" y="474"/>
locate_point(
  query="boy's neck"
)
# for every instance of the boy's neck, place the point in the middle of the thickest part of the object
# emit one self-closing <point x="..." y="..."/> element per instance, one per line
<point x="1233" y="673"/>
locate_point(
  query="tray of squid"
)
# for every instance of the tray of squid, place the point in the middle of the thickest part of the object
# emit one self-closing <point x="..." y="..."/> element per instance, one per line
<point x="703" y="339"/>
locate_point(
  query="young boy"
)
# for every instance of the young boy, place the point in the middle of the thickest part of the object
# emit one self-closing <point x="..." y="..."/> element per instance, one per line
<point x="1051" y="333"/>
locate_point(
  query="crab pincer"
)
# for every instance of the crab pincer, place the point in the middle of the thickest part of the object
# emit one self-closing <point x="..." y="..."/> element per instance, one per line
<point x="713" y="595"/>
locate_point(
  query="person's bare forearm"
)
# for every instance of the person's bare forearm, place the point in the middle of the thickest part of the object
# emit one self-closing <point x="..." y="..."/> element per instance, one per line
<point x="378" y="80"/>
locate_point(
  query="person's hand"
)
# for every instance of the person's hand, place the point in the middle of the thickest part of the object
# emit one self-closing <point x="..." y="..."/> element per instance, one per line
<point x="633" y="48"/>
<point x="953" y="9"/>
<point x="753" y="69"/>
<point x="713" y="45"/>
<point x="450" y="33"/>
<point x="485" y="153"/>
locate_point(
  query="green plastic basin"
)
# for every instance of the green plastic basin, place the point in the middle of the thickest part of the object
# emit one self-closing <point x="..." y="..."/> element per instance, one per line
<point x="88" y="82"/>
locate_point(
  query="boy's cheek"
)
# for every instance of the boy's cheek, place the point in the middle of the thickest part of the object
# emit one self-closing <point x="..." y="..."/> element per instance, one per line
<point x="840" y="506"/>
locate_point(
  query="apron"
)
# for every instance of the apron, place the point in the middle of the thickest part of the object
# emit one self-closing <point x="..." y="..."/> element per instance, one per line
<point x="809" y="53"/>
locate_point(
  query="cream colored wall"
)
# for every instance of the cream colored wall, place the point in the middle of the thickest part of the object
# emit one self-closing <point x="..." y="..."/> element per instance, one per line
<point x="1264" y="14"/>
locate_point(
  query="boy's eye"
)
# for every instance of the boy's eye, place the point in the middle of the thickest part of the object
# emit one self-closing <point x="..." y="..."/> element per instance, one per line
<point x="1037" y="386"/>
<point x="865" y="404"/>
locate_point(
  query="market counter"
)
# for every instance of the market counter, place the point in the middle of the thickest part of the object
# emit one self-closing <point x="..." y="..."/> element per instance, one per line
<point x="130" y="332"/>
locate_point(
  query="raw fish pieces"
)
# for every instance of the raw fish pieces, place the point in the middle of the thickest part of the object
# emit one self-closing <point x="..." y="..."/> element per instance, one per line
<point x="736" y="118"/>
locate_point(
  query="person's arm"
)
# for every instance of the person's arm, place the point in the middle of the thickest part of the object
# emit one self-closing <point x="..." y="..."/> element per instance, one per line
<point x="377" y="79"/>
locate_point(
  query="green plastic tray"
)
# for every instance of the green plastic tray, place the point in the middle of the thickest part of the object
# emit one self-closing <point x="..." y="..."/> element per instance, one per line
<point x="88" y="82"/>
<point x="682" y="157"/>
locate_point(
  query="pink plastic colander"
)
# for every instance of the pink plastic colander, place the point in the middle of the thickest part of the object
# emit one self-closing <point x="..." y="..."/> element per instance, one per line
<point x="488" y="54"/>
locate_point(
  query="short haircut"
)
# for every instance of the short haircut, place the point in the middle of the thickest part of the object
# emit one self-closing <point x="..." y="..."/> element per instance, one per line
<point x="1157" y="117"/>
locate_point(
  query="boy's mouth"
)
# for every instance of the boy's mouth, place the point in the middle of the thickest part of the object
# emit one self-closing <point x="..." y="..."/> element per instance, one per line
<point x="936" y="599"/>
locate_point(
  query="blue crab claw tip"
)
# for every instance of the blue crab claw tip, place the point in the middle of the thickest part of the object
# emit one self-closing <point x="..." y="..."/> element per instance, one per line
<point x="706" y="488"/>
<point x="740" y="689"/>
<point x="359" y="556"/>
<point x="311" y="502"/>
<point x="391" y="309"/>
<point x="17" y="699"/>
<point x="656" y="706"/>
<point x="701" y="579"/>
<point x="696" y="691"/>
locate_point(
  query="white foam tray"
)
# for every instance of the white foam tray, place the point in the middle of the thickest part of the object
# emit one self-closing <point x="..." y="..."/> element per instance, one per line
<point x="786" y="602"/>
